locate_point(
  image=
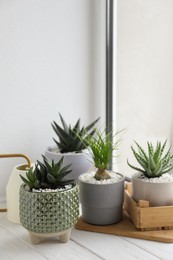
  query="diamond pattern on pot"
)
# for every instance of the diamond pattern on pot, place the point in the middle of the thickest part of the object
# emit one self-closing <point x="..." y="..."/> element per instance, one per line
<point x="48" y="212"/>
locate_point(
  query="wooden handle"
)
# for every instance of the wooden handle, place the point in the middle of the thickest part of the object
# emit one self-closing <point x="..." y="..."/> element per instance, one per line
<point x="17" y="155"/>
<point x="3" y="210"/>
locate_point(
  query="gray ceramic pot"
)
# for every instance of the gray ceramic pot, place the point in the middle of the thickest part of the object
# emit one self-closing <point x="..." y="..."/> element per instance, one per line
<point x="102" y="203"/>
<point x="81" y="162"/>
<point x="158" y="194"/>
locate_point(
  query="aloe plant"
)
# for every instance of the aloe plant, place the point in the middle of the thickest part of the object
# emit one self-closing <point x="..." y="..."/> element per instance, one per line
<point x="102" y="146"/>
<point x="70" y="137"/>
<point x="47" y="175"/>
<point x="155" y="162"/>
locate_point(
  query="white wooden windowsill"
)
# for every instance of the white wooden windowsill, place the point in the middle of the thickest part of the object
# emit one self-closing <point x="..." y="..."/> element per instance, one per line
<point x="15" y="244"/>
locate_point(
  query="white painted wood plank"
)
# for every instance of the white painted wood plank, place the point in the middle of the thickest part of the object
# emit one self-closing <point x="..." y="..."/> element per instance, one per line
<point x="15" y="244"/>
<point x="163" y="250"/>
<point x="53" y="249"/>
<point x="110" y="246"/>
<point x="49" y="249"/>
<point x="12" y="248"/>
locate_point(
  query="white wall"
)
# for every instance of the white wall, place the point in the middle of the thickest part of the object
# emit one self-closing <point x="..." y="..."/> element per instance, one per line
<point x="51" y="60"/>
<point x="144" y="74"/>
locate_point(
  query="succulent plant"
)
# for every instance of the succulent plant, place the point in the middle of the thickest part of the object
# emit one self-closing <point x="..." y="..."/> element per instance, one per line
<point x="102" y="146"/>
<point x="70" y="137"/>
<point x="47" y="175"/>
<point x="154" y="163"/>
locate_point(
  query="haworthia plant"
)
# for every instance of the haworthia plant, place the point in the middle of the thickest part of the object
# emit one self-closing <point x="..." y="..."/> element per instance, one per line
<point x="155" y="162"/>
<point x="47" y="175"/>
<point x="70" y="137"/>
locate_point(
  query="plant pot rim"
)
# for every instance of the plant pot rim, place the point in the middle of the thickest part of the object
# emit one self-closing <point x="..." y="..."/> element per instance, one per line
<point x="51" y="150"/>
<point x="138" y="174"/>
<point x="102" y="184"/>
<point x="23" y="187"/>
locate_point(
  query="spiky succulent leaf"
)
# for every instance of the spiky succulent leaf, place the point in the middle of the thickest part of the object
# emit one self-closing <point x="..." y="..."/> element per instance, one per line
<point x="31" y="181"/>
<point x="70" y="137"/>
<point x="143" y="162"/>
<point x="64" y="124"/>
<point x="154" y="163"/>
<point x="47" y="174"/>
<point x="150" y="148"/>
<point x="135" y="168"/>
<point x="141" y="151"/>
<point x="62" y="134"/>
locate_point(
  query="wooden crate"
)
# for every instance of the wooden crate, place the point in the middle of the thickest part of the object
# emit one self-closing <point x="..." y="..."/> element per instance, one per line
<point x="145" y="217"/>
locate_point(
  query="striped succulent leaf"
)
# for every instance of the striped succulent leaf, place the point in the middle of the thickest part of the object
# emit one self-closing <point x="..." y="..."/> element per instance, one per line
<point x="153" y="163"/>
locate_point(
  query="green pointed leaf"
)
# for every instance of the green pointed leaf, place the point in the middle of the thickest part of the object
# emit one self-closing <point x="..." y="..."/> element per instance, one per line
<point x="61" y="133"/>
<point x="135" y="168"/>
<point x="66" y="129"/>
<point x="76" y="128"/>
<point x="51" y="179"/>
<point x="90" y="126"/>
<point x="141" y="151"/>
<point x="140" y="159"/>
<point x="154" y="165"/>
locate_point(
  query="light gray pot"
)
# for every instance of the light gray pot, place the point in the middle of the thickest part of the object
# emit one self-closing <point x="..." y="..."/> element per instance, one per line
<point x="158" y="194"/>
<point x="81" y="162"/>
<point x="102" y="203"/>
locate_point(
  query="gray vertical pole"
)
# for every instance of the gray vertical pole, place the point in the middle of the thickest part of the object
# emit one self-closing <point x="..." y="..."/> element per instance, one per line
<point x="109" y="67"/>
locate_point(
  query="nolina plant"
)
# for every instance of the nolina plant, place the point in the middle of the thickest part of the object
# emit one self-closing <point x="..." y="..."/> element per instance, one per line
<point x="102" y="146"/>
<point x="155" y="162"/>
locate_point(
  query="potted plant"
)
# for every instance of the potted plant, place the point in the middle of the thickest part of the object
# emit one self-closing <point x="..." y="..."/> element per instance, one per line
<point x="49" y="205"/>
<point x="154" y="181"/>
<point x="70" y="146"/>
<point x="101" y="191"/>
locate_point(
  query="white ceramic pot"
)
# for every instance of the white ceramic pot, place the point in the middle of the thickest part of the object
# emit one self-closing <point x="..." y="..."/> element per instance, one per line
<point x="158" y="194"/>
<point x="81" y="162"/>
<point x="12" y="192"/>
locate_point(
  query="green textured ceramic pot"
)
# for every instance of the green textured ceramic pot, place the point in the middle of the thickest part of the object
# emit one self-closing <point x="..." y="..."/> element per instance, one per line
<point x="48" y="212"/>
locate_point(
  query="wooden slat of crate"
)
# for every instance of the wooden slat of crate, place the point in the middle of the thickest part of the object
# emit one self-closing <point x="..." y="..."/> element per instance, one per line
<point x="156" y="217"/>
<point x="130" y="206"/>
<point x="145" y="217"/>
